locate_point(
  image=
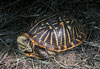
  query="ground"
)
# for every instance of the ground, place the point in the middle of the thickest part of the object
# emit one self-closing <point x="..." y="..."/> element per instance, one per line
<point x="20" y="15"/>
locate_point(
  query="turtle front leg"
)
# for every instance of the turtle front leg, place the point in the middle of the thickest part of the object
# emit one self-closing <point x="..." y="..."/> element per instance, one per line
<point x="41" y="52"/>
<point x="32" y="55"/>
<point x="37" y="52"/>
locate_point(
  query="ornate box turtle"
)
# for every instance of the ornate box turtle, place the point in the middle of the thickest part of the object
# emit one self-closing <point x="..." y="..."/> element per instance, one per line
<point x="52" y="35"/>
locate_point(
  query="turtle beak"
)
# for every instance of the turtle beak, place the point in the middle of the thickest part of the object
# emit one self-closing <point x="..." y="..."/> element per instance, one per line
<point x="28" y="48"/>
<point x="25" y="48"/>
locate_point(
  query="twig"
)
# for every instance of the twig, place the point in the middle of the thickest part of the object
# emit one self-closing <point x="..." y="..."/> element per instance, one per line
<point x="64" y="66"/>
<point x="3" y="57"/>
<point x="4" y="42"/>
<point x="10" y="4"/>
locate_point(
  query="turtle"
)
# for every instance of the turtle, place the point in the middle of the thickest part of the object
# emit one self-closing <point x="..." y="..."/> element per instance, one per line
<point x="52" y="35"/>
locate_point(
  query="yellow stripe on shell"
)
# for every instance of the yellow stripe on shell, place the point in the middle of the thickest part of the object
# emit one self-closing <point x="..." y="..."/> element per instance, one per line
<point x="69" y="38"/>
<point x="62" y="24"/>
<point x="46" y="36"/>
<point x="51" y="38"/>
<point x="56" y="37"/>
<point x="43" y="35"/>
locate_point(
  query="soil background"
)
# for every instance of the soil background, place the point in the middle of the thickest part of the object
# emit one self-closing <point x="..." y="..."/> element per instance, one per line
<point x="18" y="16"/>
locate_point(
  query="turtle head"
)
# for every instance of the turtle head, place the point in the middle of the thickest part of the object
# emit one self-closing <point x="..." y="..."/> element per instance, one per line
<point x="28" y="48"/>
<point x="24" y="44"/>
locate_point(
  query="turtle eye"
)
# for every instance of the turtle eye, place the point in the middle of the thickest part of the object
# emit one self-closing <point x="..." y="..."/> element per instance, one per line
<point x="25" y="40"/>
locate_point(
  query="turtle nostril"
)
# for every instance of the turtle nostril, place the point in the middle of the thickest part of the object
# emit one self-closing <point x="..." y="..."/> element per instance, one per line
<point x="28" y="51"/>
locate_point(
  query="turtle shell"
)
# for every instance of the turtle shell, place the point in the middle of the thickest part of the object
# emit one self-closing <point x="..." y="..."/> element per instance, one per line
<point x="57" y="33"/>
